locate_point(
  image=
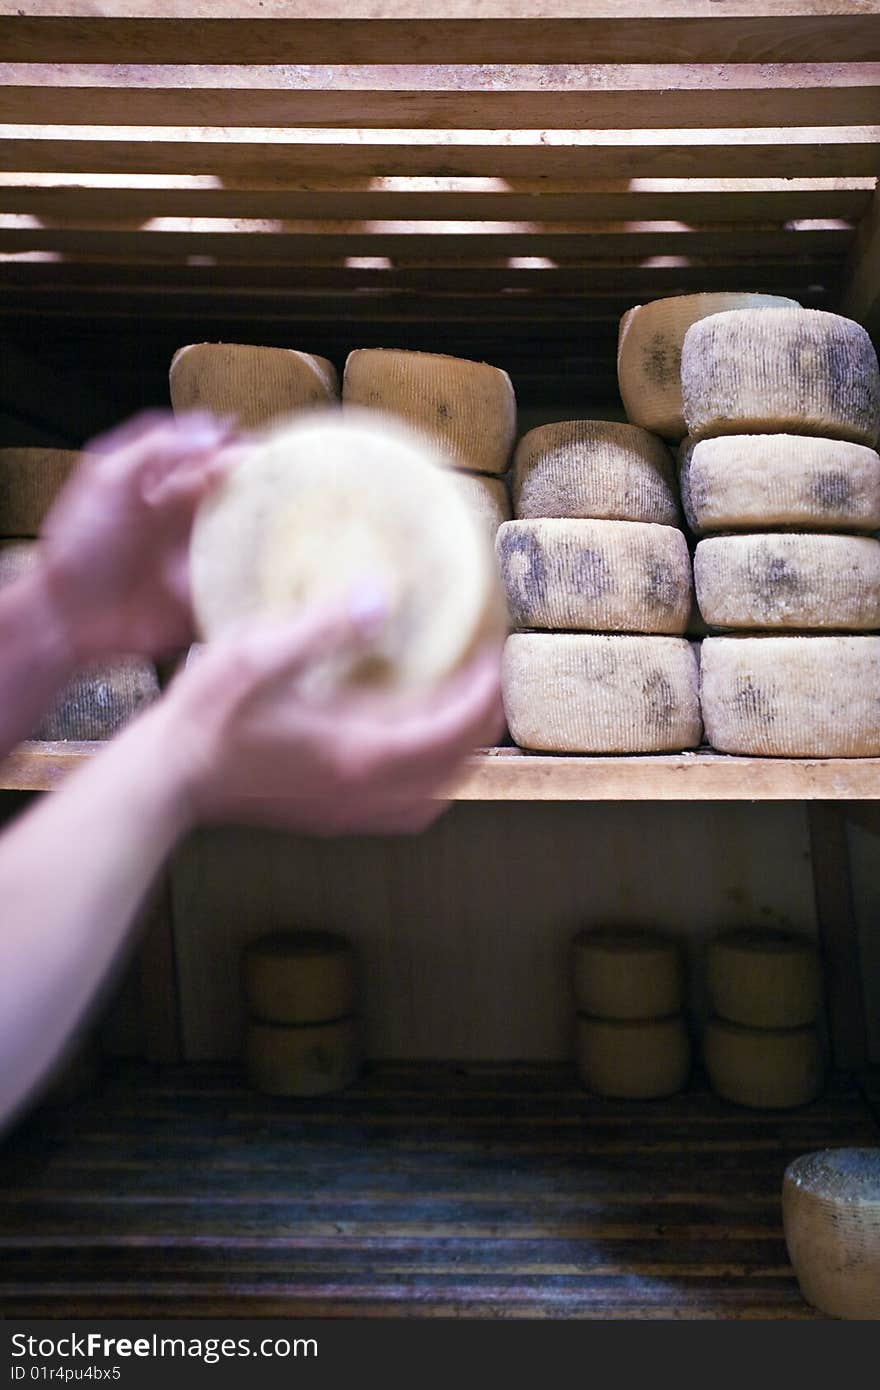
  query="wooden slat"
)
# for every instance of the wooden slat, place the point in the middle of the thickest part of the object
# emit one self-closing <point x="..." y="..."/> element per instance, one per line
<point x="357" y="32"/>
<point x="82" y="197"/>
<point x="797" y="152"/>
<point x="838" y="935"/>
<point x="526" y="96"/>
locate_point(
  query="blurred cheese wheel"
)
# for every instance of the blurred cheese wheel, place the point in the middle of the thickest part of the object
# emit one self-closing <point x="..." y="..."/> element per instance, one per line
<point x="767" y="1068"/>
<point x="255" y="384"/>
<point x="831" y="1216"/>
<point x="636" y="1059"/>
<point x="299" y="977"/>
<point x="308" y="1060"/>
<point x="315" y="510"/>
<point x="624" y="972"/>
<point x="764" y="978"/>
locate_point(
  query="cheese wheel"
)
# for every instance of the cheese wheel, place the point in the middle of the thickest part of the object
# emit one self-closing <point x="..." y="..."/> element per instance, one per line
<point x="799" y="371"/>
<point x="487" y="498"/>
<point x="308" y="1060"/>
<point x="586" y="693"/>
<point x="103" y="695"/>
<point x="764" y="978"/>
<point x="831" y="1218"/>
<point x="634" y="1059"/>
<point x="299" y="977"/>
<point x="649" y="353"/>
<point x="792" y="697"/>
<point x="315" y="509"/>
<point x="258" y="385"/>
<point x="766" y="1068"/>
<point x="789" y="580"/>
<point x="743" y="482"/>
<point x="467" y="409"/>
<point x="594" y="468"/>
<point x="624" y="972"/>
<point x="607" y="576"/>
<point x="30" y="480"/>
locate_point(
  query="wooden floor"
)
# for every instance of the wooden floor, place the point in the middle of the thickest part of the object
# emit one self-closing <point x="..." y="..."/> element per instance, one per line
<point x="425" y="1190"/>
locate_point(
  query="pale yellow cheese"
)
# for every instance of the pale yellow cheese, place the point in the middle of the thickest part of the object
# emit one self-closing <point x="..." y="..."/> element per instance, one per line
<point x="831" y="1217"/>
<point x="751" y="482"/>
<point x="764" y="978"/>
<point x="595" y="693"/>
<point x="649" y="353"/>
<point x="789" y="580"/>
<point x="594" y="468"/>
<point x="607" y="576"/>
<point x="30" y="480"/>
<point x="792" y="697"/>
<point x="467" y="409"/>
<point x="256" y="385"/>
<point x="626" y="972"/>
<point x="634" y="1059"/>
<point x="798" y="371"/>
<point x="308" y="1060"/>
<point x="315" y="510"/>
<point x="767" y="1068"/>
<point x="487" y="498"/>
<point x="299" y="977"/>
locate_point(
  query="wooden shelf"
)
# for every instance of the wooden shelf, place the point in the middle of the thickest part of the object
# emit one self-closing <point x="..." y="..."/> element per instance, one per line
<point x="507" y="774"/>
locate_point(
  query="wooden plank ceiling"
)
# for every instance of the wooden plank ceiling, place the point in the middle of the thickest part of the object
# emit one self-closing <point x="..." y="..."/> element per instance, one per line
<point x="499" y="181"/>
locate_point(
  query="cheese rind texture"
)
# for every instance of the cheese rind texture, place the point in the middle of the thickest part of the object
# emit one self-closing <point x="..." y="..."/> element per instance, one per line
<point x="765" y="1068"/>
<point x="30" y="480"/>
<point x="605" y="576"/>
<point x="596" y="693"/>
<point x="794" y="371"/>
<point x="317" y="509"/>
<point x="466" y="409"/>
<point x="309" y="1060"/>
<point x="487" y="498"/>
<point x="299" y="977"/>
<point x="634" y="1059"/>
<point x="793" y="696"/>
<point x="625" y="972"/>
<point x="764" y="978"/>
<point x="789" y="580"/>
<point x="744" y="482"/>
<point x="831" y="1218"/>
<point x="649" y="353"/>
<point x="594" y="468"/>
<point x="258" y="385"/>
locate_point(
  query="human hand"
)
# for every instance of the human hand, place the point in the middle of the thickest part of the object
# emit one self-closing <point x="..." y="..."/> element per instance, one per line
<point x="115" y="544"/>
<point x="252" y="747"/>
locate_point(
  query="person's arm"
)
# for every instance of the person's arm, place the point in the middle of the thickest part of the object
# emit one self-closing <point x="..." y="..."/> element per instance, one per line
<point x="111" y="569"/>
<point x="232" y="739"/>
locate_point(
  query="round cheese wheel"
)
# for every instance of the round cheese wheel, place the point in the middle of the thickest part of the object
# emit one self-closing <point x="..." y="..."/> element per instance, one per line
<point x="487" y="498"/>
<point x="299" y="977"/>
<point x="831" y="1217"/>
<point x="594" y="468"/>
<point x="586" y="693"/>
<point x="789" y="580"/>
<point x="634" y="1059"/>
<point x="625" y="972"/>
<point x="317" y="508"/>
<point x="766" y="1068"/>
<point x="257" y="385"/>
<point x="30" y="480"/>
<point x="798" y="371"/>
<point x="764" y="978"/>
<point x="467" y="409"/>
<point x="792" y="697"/>
<point x="610" y="576"/>
<point x="649" y="353"/>
<point x="308" y="1060"/>
<point x="744" y="482"/>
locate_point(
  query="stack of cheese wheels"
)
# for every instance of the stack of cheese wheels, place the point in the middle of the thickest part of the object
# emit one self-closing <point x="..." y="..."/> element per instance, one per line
<point x="631" y="1039"/>
<point x="781" y="478"/>
<point x="302" y="1035"/>
<point x="762" y="1044"/>
<point x="831" y="1216"/>
<point x="103" y="695"/>
<point x="466" y="410"/>
<point x="598" y="581"/>
<point x="255" y="385"/>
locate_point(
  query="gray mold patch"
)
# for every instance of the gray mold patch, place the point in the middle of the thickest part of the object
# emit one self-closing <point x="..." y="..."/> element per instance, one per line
<point x="752" y="701"/>
<point x="592" y="576"/>
<point x="524" y="572"/>
<point x="831" y="492"/>
<point x="660" y="700"/>
<point x="661" y="361"/>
